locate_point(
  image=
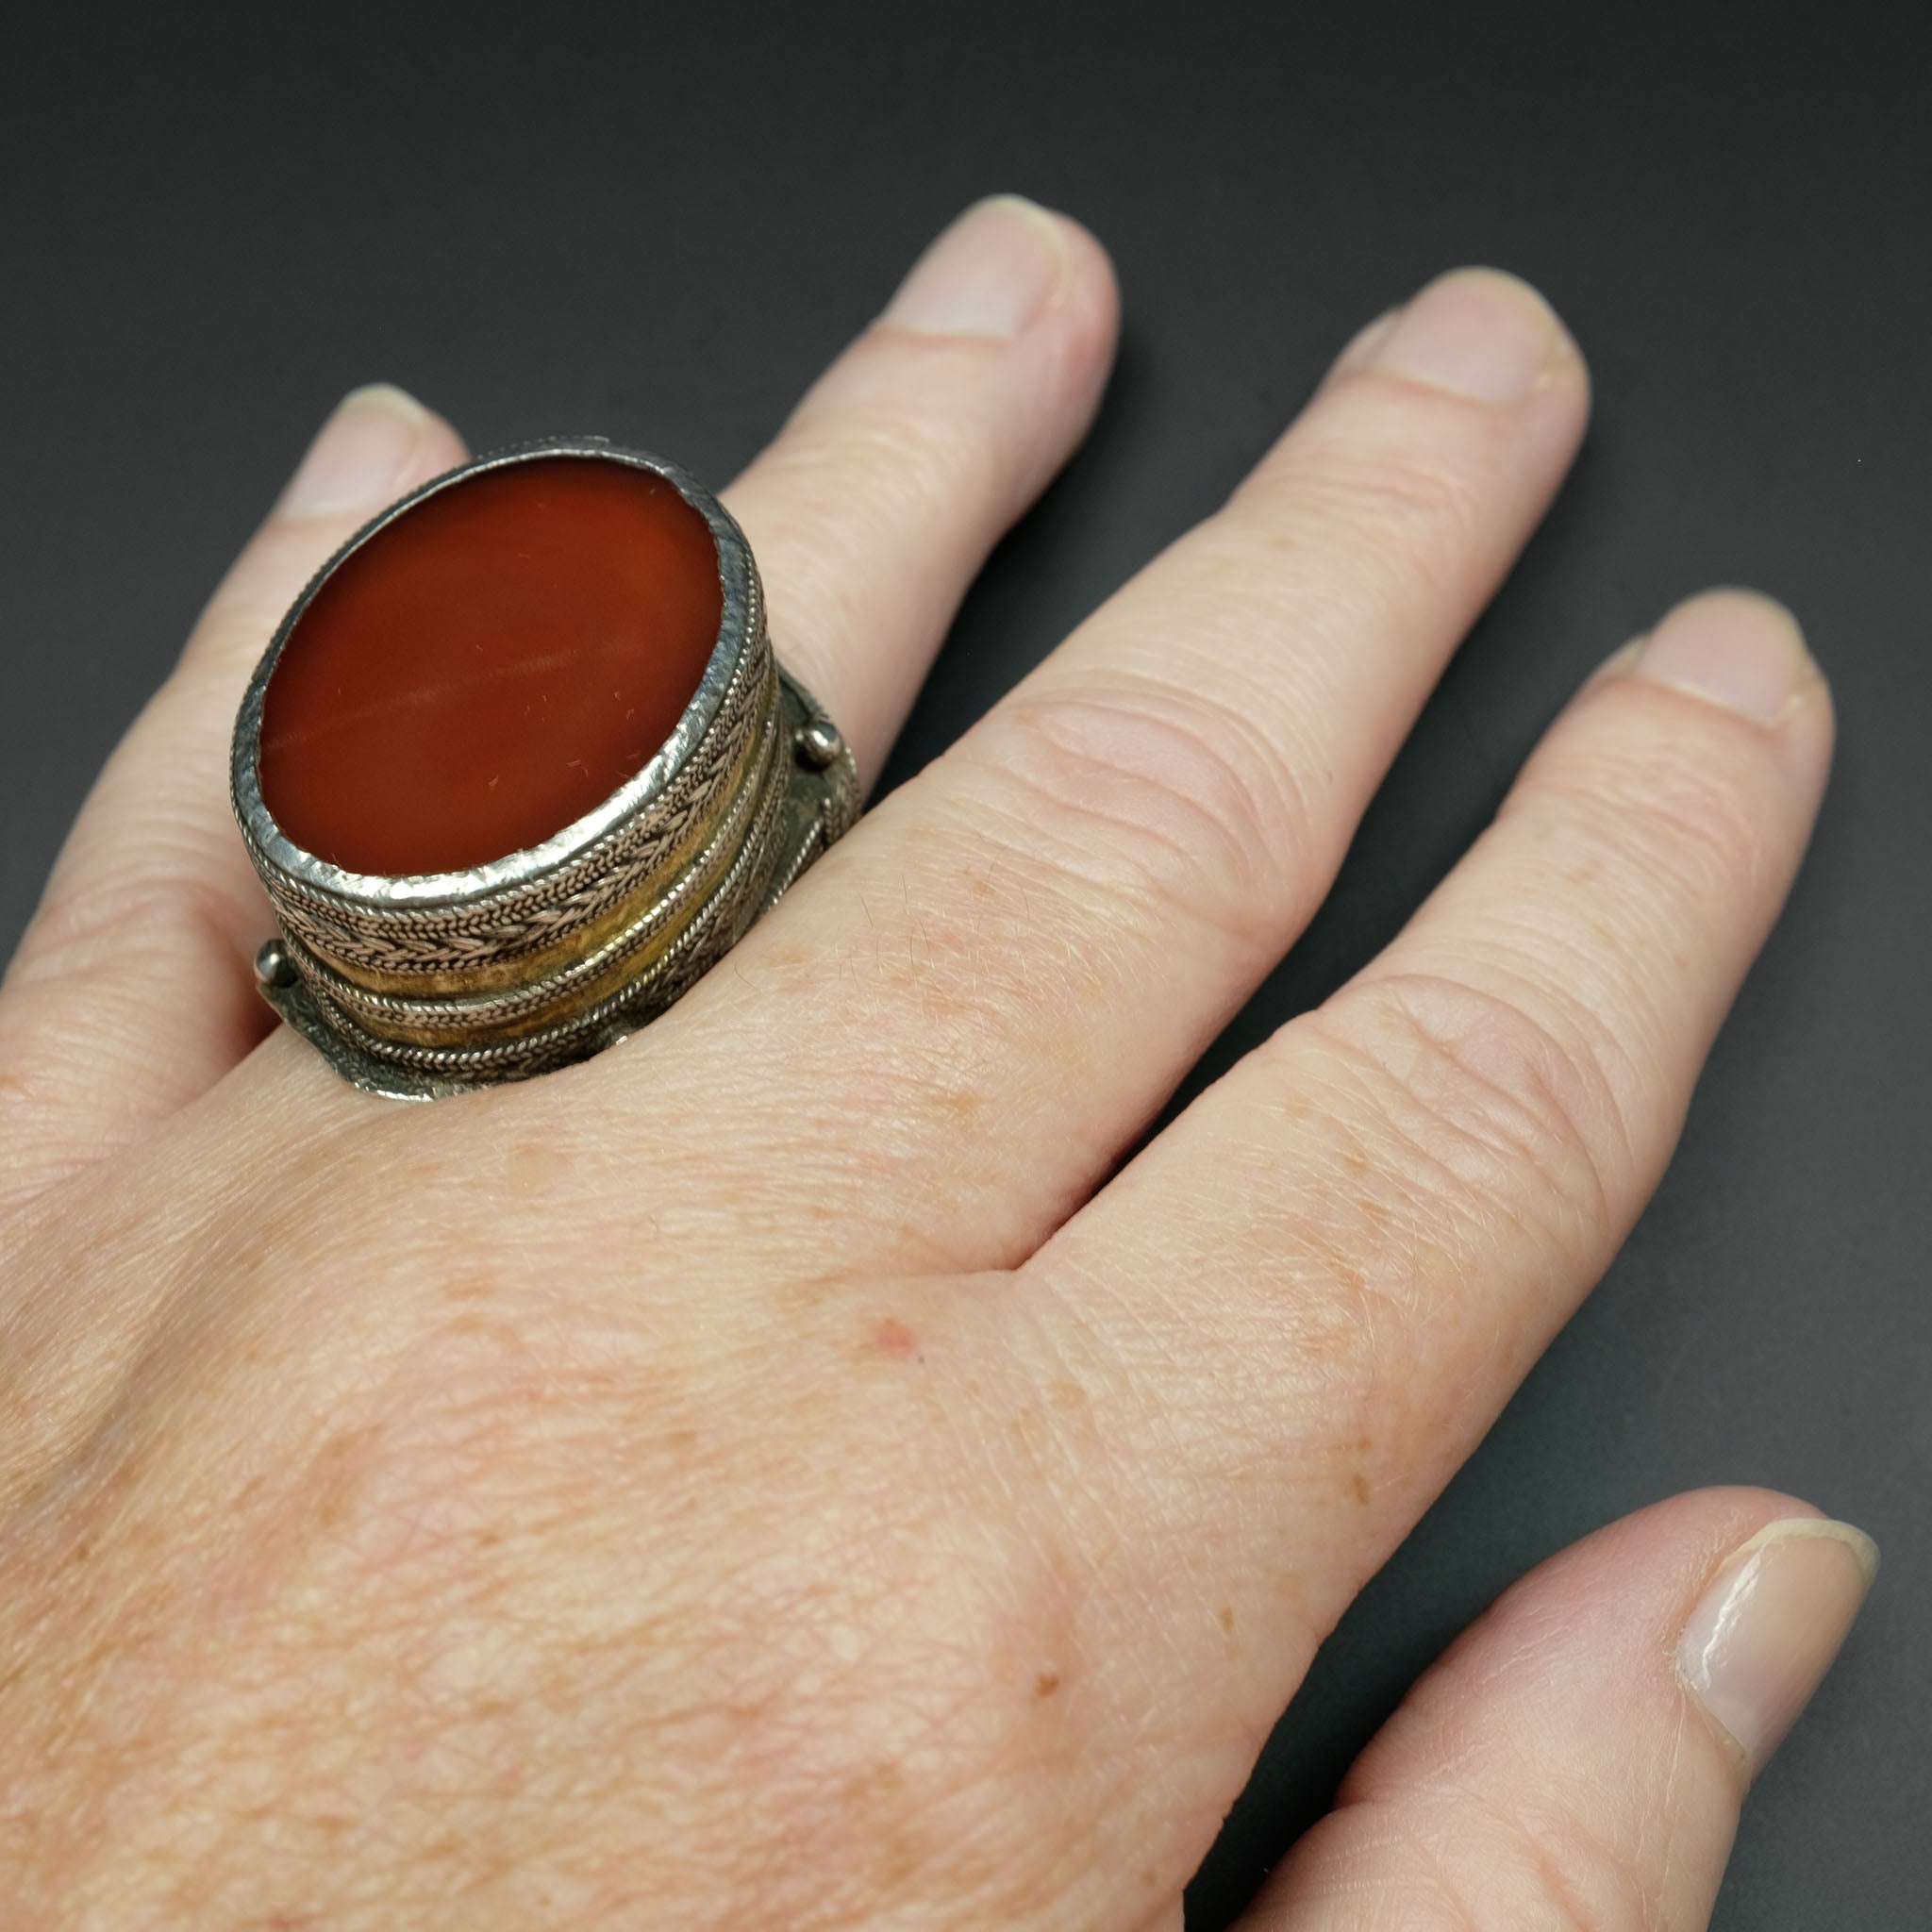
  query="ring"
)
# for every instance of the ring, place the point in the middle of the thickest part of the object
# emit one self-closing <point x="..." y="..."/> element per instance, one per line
<point x="519" y="765"/>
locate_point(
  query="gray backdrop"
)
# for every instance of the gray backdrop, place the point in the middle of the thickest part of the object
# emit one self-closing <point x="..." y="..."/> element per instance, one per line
<point x="659" y="222"/>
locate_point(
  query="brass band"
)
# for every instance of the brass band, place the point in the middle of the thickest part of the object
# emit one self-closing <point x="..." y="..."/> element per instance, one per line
<point x="426" y="985"/>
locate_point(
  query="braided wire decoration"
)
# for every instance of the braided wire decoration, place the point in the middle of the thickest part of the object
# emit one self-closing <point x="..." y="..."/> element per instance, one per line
<point x="530" y="914"/>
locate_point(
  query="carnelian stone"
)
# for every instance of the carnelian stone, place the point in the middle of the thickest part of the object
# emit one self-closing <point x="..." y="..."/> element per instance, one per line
<point x="489" y="667"/>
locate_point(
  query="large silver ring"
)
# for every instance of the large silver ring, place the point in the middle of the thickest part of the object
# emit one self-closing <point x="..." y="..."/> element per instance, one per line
<point x="428" y="984"/>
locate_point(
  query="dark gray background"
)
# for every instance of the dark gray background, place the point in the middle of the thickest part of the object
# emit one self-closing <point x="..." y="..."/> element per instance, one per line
<point x="658" y="223"/>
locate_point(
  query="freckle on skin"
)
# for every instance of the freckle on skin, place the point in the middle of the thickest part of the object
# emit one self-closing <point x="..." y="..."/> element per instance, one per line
<point x="895" y="1340"/>
<point x="1069" y="1395"/>
<point x="1359" y="1487"/>
<point x="963" y="1108"/>
<point x="533" y="1167"/>
<point x="1046" y="1683"/>
<point x="336" y="1473"/>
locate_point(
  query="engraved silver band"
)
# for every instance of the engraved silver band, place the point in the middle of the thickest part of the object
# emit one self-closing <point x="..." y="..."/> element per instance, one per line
<point x="428" y="985"/>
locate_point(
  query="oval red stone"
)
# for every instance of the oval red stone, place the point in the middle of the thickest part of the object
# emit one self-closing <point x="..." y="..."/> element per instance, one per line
<point x="489" y="667"/>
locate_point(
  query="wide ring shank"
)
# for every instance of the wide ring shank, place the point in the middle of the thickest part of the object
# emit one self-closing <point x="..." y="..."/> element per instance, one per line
<point x="431" y="984"/>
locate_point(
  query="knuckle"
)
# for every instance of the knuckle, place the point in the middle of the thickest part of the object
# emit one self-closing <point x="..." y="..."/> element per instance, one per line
<point x="894" y="449"/>
<point x="150" y="855"/>
<point x="1358" y="503"/>
<point x="1579" y="1875"/>
<point x="1491" y="1831"/>
<point x="1503" y="1103"/>
<point x="94" y="922"/>
<point x="869" y="448"/>
<point x="1470" y="1873"/>
<point x="845" y="495"/>
<point x="228" y="641"/>
<point x="1154" y="794"/>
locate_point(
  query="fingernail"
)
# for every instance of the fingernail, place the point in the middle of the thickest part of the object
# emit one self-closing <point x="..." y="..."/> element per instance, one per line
<point x="990" y="274"/>
<point x="1765" y="1632"/>
<point x="359" y="456"/>
<point x="1733" y="648"/>
<point x="1478" y="332"/>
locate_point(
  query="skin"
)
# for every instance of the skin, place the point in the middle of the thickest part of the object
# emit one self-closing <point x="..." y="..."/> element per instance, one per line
<point x="778" y="1473"/>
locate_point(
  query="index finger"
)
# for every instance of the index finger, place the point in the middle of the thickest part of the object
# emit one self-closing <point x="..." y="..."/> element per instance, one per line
<point x="131" y="993"/>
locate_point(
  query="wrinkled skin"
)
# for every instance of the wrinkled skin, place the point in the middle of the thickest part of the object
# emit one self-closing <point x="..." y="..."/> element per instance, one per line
<point x="771" y="1475"/>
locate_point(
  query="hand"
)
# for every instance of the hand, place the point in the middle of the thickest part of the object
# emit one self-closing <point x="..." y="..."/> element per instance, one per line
<point x="770" y="1476"/>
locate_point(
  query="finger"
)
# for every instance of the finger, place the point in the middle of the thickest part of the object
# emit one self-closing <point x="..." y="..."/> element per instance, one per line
<point x="131" y="992"/>
<point x="874" y="510"/>
<point x="1309" y="1297"/>
<point x="1579" y="1756"/>
<point x="1032" y="941"/>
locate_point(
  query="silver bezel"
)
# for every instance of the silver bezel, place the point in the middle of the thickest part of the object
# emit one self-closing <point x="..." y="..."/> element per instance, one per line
<point x="738" y="634"/>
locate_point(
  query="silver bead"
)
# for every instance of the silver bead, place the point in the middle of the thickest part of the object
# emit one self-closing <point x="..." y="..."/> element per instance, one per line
<point x="820" y="744"/>
<point x="273" y="965"/>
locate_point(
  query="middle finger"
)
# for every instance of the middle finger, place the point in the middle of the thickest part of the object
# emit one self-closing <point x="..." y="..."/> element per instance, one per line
<point x="1007" y="969"/>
